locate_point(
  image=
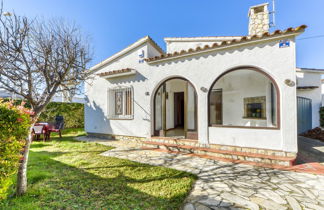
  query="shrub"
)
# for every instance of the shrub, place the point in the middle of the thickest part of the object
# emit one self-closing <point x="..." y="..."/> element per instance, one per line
<point x="322" y="116"/>
<point x="73" y="114"/>
<point x="14" y="125"/>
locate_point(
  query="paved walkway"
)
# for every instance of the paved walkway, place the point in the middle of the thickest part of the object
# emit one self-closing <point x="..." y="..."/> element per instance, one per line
<point x="310" y="150"/>
<point x="223" y="185"/>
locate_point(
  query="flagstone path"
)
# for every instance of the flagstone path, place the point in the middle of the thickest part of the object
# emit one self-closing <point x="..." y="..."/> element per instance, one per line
<point x="223" y="185"/>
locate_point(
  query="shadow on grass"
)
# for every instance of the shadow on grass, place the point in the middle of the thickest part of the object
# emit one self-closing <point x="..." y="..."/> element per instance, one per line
<point x="39" y="145"/>
<point x="53" y="184"/>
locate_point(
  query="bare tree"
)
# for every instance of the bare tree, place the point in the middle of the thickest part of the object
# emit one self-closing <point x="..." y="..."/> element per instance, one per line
<point x="37" y="60"/>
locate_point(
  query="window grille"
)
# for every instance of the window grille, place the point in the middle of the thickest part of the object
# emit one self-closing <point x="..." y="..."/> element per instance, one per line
<point x="120" y="103"/>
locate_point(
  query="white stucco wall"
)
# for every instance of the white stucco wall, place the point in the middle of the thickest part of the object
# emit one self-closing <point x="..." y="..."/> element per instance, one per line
<point x="311" y="79"/>
<point x="201" y="71"/>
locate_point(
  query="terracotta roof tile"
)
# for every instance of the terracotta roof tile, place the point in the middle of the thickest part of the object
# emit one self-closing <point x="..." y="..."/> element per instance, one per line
<point x="108" y="73"/>
<point x="224" y="43"/>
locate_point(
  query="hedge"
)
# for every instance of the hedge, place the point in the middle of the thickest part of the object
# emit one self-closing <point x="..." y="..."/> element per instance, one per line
<point x="14" y="125"/>
<point x="322" y="116"/>
<point x="73" y="114"/>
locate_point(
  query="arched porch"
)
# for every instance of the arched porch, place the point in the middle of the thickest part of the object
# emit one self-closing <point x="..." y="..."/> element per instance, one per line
<point x="175" y="109"/>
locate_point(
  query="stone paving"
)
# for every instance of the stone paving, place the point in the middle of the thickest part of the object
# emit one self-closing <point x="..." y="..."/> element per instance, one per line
<point x="222" y="185"/>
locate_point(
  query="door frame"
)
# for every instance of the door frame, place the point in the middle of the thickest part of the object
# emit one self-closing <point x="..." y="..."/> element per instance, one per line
<point x="183" y="108"/>
<point x="156" y="132"/>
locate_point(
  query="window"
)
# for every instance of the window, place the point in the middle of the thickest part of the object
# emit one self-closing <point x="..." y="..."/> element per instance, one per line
<point x="255" y="107"/>
<point x="254" y="110"/>
<point x="120" y="103"/>
<point x="215" y="105"/>
<point x="243" y="97"/>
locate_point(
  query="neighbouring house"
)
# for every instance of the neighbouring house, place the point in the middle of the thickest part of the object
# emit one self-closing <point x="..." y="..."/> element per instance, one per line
<point x="227" y="97"/>
<point x="68" y="99"/>
<point x="59" y="97"/>
<point x="322" y="88"/>
<point x="6" y="94"/>
<point x="309" y="98"/>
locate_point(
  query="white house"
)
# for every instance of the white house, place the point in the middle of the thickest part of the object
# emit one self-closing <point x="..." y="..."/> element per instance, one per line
<point x="59" y="97"/>
<point x="322" y="87"/>
<point x="309" y="97"/>
<point x="211" y="94"/>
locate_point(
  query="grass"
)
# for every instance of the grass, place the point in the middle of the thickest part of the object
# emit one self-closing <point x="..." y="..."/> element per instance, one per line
<point x="67" y="174"/>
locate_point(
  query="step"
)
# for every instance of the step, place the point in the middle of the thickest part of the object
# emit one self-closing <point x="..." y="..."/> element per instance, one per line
<point x="233" y="155"/>
<point x="312" y="168"/>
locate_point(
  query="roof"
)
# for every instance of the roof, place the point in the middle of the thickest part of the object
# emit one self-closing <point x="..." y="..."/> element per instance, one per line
<point x="306" y="87"/>
<point x="311" y="70"/>
<point x="115" y="73"/>
<point x="126" y="50"/>
<point x="202" y="38"/>
<point x="226" y="44"/>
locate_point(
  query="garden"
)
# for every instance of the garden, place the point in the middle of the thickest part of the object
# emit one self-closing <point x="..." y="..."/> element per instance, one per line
<point x="67" y="174"/>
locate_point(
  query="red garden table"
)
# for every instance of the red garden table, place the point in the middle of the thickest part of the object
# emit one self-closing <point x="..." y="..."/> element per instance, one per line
<point x="48" y="129"/>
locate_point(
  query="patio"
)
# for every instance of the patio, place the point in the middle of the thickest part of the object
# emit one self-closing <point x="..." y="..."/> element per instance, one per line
<point x="229" y="185"/>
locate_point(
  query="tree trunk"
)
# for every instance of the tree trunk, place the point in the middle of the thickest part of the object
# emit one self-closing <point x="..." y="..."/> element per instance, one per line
<point x="22" y="171"/>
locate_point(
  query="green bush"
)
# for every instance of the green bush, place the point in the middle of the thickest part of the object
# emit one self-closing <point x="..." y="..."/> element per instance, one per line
<point x="73" y="114"/>
<point x="14" y="125"/>
<point x="322" y="116"/>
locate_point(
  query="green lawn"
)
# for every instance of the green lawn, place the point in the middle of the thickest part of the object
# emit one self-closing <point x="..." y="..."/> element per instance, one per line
<point x="66" y="174"/>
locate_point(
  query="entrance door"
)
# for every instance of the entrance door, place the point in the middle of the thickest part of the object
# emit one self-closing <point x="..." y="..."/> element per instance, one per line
<point x="175" y="110"/>
<point x="179" y="109"/>
<point x="304" y="114"/>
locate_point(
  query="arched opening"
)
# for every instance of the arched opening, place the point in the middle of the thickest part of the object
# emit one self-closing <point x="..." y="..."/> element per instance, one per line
<point x="244" y="97"/>
<point x="175" y="109"/>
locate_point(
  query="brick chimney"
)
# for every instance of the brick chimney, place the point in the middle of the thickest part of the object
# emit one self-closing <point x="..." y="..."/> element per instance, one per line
<point x="259" y="19"/>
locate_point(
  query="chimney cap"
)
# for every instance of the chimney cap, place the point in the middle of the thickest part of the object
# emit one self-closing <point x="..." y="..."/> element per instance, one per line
<point x="257" y="6"/>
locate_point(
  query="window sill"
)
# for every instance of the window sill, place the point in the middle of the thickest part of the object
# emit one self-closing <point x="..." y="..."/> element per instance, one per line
<point x="121" y="118"/>
<point x="255" y="118"/>
<point x="244" y="127"/>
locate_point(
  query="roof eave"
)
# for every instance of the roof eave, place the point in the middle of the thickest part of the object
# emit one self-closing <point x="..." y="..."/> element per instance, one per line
<point x="199" y="39"/>
<point x="124" y="51"/>
<point x="227" y="46"/>
<point x="306" y="70"/>
<point x="123" y="74"/>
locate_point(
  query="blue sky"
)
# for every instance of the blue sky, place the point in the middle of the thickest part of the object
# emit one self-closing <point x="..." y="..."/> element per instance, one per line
<point x="113" y="25"/>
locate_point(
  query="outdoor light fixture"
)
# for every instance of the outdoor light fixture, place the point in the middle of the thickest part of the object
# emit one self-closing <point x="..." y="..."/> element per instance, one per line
<point x="290" y="83"/>
<point x="147" y="93"/>
<point x="203" y="89"/>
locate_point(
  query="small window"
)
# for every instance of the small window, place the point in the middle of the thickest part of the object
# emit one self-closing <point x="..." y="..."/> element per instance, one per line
<point x="120" y="103"/>
<point x="254" y="110"/>
<point x="255" y="107"/>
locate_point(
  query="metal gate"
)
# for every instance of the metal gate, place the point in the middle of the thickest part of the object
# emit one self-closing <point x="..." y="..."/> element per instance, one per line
<point x="304" y="114"/>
